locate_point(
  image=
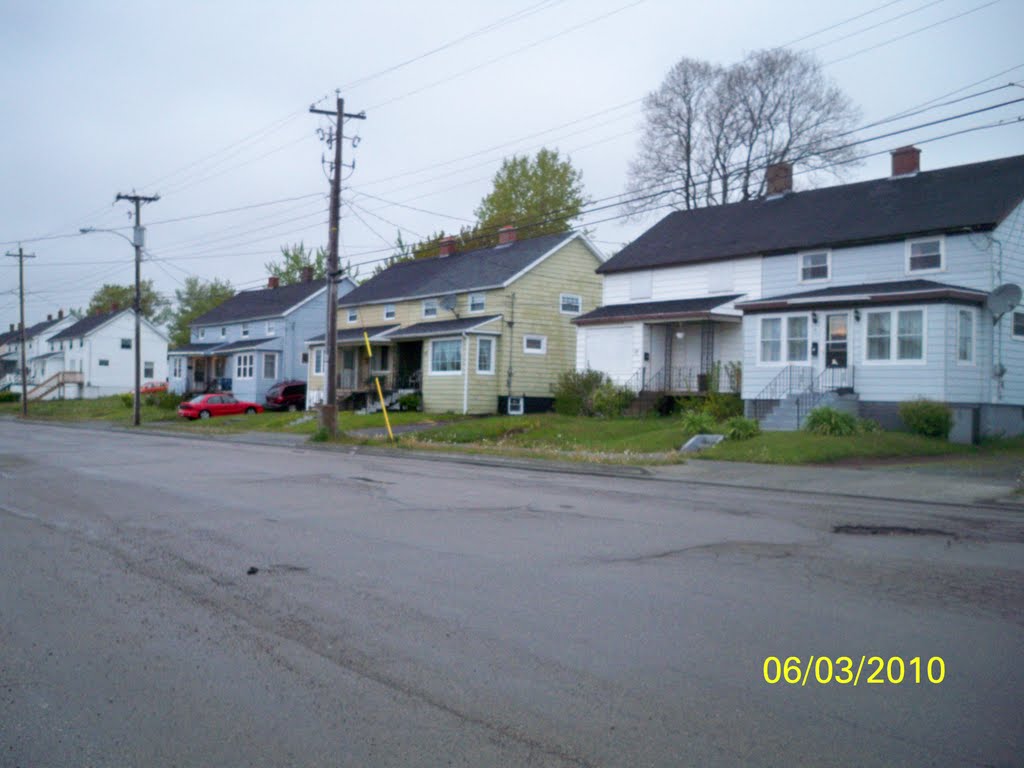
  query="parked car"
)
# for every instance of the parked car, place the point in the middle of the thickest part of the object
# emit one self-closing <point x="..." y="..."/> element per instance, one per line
<point x="286" y="396"/>
<point x="224" y="404"/>
<point x="153" y="387"/>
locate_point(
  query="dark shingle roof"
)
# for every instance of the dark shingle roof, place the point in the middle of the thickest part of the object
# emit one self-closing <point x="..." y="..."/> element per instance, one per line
<point x="348" y="335"/>
<point x="235" y="346"/>
<point x="86" y="325"/>
<point x="866" y="293"/>
<point x="471" y="270"/>
<point x="186" y="348"/>
<point x="442" y="327"/>
<point x="38" y="328"/>
<point x="976" y="196"/>
<point x="651" y="310"/>
<point x="267" y="302"/>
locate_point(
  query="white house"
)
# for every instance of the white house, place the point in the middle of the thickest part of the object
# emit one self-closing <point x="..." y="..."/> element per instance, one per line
<point x="876" y="293"/>
<point x="35" y="346"/>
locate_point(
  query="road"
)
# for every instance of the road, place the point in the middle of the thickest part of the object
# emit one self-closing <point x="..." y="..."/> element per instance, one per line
<point x="177" y="602"/>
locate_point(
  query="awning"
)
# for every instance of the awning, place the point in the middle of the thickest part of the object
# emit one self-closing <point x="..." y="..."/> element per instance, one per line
<point x="349" y="336"/>
<point x="896" y="292"/>
<point x="448" y="328"/>
<point x="665" y="311"/>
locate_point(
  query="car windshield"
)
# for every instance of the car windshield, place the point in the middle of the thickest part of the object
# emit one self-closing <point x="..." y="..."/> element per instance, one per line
<point x="197" y="399"/>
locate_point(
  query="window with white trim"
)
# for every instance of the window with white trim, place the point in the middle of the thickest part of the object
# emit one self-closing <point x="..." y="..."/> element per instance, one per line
<point x="815" y="266"/>
<point x="446" y="356"/>
<point x="797" y="346"/>
<point x="147" y="370"/>
<point x="535" y="345"/>
<point x="965" y="336"/>
<point x="353" y="314"/>
<point x="245" y="330"/>
<point x="389" y="311"/>
<point x="925" y="255"/>
<point x="430" y="307"/>
<point x="771" y="339"/>
<point x="125" y="344"/>
<point x="176" y="370"/>
<point x="244" y="364"/>
<point x="477" y="302"/>
<point x="202" y="333"/>
<point x="269" y="365"/>
<point x="895" y="339"/>
<point x="318" y="361"/>
<point x="484" y="355"/>
<point x="270" y="327"/>
<point x="381" y="360"/>
<point x="515" y="406"/>
<point x="570" y="304"/>
<point x="223" y="332"/>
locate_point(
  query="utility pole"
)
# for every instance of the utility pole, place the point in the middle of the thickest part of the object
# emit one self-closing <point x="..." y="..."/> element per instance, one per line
<point x="329" y="411"/>
<point x="138" y="240"/>
<point x="21" y="256"/>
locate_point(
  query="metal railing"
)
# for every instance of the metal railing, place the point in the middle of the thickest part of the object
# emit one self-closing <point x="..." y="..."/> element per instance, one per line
<point x="829" y="380"/>
<point x="792" y="378"/>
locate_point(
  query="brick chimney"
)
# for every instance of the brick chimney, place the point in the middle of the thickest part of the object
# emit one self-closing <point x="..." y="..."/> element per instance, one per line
<point x="12" y="327"/>
<point x="49" y="318"/>
<point x="447" y="246"/>
<point x="60" y="314"/>
<point x="506" y="235"/>
<point x="906" y="161"/>
<point x="273" y="282"/>
<point x="779" y="179"/>
<point x="115" y="307"/>
<point x="307" y="274"/>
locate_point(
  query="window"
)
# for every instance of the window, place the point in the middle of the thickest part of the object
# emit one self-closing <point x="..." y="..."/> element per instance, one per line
<point x="535" y="345"/>
<point x="924" y="255"/>
<point x="304" y="358"/>
<point x="640" y="285"/>
<point x="771" y="339"/>
<point x="477" y="302"/>
<point x="381" y="360"/>
<point x="104" y="363"/>
<point x="269" y="365"/>
<point x="570" y="304"/>
<point x="446" y="356"/>
<point x="81" y="343"/>
<point x="318" y="361"/>
<point x="815" y="266"/>
<point x="202" y="333"/>
<point x="894" y="339"/>
<point x="1018" y="325"/>
<point x="430" y="307"/>
<point x="484" y="355"/>
<point x="515" y="406"/>
<point x="223" y="333"/>
<point x="147" y="370"/>
<point x="243" y="365"/>
<point x="177" y="369"/>
<point x="353" y="314"/>
<point x="125" y="344"/>
<point x="270" y="327"/>
<point x="796" y="339"/>
<point x="389" y="311"/>
<point x="245" y="330"/>
<point x="965" y="336"/>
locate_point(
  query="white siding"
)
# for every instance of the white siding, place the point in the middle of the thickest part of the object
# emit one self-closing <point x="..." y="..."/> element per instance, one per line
<point x="1008" y="261"/>
<point x="691" y="281"/>
<point x="614" y="350"/>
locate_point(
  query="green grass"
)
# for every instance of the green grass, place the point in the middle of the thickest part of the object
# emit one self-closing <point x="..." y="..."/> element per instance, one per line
<point x="300" y="423"/>
<point x="110" y="410"/>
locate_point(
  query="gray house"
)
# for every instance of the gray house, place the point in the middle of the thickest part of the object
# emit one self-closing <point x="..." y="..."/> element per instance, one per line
<point x="253" y="340"/>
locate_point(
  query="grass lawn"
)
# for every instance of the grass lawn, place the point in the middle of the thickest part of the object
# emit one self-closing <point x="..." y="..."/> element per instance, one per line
<point x="807" y="448"/>
<point x="111" y="410"/>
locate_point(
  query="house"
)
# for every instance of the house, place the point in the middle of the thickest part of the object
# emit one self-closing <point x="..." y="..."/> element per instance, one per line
<point x="481" y="331"/>
<point x="35" y="346"/>
<point x="253" y="340"/>
<point x="94" y="356"/>
<point x="864" y="295"/>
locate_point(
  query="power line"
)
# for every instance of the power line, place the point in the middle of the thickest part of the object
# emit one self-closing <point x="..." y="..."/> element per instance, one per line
<point x="876" y="26"/>
<point x="840" y="23"/>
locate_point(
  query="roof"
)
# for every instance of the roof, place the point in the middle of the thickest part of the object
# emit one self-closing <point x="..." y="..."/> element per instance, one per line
<point x="680" y="309"/>
<point x="348" y="335"/>
<point x="86" y="325"/>
<point x="266" y="302"/>
<point x="34" y="330"/>
<point x="900" y="291"/>
<point x="235" y="346"/>
<point x="442" y="327"/>
<point x="186" y="348"/>
<point x="466" y="271"/>
<point x="976" y="196"/>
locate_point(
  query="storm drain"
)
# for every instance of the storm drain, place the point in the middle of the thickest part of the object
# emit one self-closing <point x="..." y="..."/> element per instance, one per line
<point x="890" y="530"/>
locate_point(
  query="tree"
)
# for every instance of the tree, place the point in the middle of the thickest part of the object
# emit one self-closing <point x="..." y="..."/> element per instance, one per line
<point x="710" y="132"/>
<point x="403" y="252"/>
<point x="155" y="307"/>
<point x="195" y="299"/>
<point x="294" y="259"/>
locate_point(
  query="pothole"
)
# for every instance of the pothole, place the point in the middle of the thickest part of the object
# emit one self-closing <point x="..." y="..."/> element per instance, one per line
<point x="890" y="530"/>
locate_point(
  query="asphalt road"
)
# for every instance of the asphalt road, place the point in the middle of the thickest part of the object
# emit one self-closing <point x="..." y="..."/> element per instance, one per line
<point x="425" y="613"/>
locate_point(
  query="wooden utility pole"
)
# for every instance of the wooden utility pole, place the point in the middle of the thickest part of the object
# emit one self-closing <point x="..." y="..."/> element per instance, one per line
<point x="21" y="256"/>
<point x="329" y="410"/>
<point x="138" y="240"/>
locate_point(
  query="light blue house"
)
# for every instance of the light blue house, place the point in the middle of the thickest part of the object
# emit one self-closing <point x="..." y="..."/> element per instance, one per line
<point x="253" y="340"/>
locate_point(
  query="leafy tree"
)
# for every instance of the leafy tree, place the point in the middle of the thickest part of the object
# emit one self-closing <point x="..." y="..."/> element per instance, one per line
<point x="710" y="131"/>
<point x="195" y="299"/>
<point x="155" y="307"/>
<point x="403" y="252"/>
<point x="294" y="259"/>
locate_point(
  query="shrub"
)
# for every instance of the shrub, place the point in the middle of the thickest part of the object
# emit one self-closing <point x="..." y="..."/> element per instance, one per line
<point x="410" y="402"/>
<point x="927" y="417"/>
<point x="734" y="374"/>
<point x="127" y="399"/>
<point x="698" y="422"/>
<point x="666" y="405"/>
<point x="723" y="406"/>
<point x="868" y="426"/>
<point x="574" y="392"/>
<point x="829" y="421"/>
<point x="610" y="400"/>
<point x="741" y="428"/>
<point x="10" y="397"/>
<point x="168" y="401"/>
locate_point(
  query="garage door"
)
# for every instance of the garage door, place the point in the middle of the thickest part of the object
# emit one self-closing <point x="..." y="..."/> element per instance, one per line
<point x="611" y="350"/>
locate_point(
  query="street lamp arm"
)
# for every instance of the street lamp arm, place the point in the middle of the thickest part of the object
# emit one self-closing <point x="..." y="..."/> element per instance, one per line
<point x="90" y="230"/>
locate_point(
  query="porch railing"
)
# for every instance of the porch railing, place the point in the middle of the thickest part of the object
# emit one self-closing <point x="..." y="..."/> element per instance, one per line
<point x="829" y="380"/>
<point x="792" y="378"/>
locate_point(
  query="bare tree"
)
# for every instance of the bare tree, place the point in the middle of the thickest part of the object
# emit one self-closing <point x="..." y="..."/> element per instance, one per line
<point x="710" y="131"/>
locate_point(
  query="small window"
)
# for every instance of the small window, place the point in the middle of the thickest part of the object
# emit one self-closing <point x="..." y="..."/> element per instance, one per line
<point x="125" y="344"/>
<point x="381" y="360"/>
<point x="177" y="367"/>
<point x="1018" y="325"/>
<point x="446" y="356"/>
<point x="353" y="314"/>
<point x="895" y="338"/>
<point x="147" y="370"/>
<point x="535" y="345"/>
<point x="244" y="365"/>
<point x="223" y="333"/>
<point x="477" y="302"/>
<point x="484" y="355"/>
<point x="430" y="307"/>
<point x="104" y="363"/>
<point x="318" y="361"/>
<point x="270" y="327"/>
<point x="640" y="285"/>
<point x="796" y="339"/>
<point x="910" y="335"/>
<point x="245" y="330"/>
<point x="202" y="333"/>
<point x="878" y="335"/>
<point x="389" y="311"/>
<point x="965" y="337"/>
<point x="570" y="304"/>
<point x="924" y="255"/>
<point x="515" y="406"/>
<point x="304" y="358"/>
<point x="269" y="365"/>
<point x="771" y="339"/>
<point x="814" y="266"/>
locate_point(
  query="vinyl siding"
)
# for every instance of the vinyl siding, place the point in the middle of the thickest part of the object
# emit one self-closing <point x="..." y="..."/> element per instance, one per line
<point x="967" y="383"/>
<point x="691" y="281"/>
<point x="444" y="394"/>
<point x="1008" y="260"/>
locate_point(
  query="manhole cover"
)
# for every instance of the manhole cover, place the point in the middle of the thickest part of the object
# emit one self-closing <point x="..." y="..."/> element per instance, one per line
<point x="890" y="530"/>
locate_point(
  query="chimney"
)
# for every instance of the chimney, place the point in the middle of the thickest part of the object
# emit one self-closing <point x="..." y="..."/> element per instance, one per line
<point x="12" y="327"/>
<point x="49" y="318"/>
<point x="115" y="307"/>
<point x="273" y="282"/>
<point x="60" y="314"/>
<point x="447" y="245"/>
<point x="906" y="161"/>
<point x="506" y="235"/>
<point x="307" y="274"/>
<point x="779" y="179"/>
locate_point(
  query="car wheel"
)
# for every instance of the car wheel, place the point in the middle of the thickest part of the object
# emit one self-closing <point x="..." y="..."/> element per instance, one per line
<point x="204" y="414"/>
<point x="292" y="407"/>
<point x="250" y="410"/>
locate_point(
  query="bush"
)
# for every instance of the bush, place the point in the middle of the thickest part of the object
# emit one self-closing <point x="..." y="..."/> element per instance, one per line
<point x="666" y="405"/>
<point x="410" y="402"/>
<point x="610" y="400"/>
<point x="574" y="392"/>
<point x="10" y="397"/>
<point x="829" y="421"/>
<point x="698" y="423"/>
<point x="168" y="401"/>
<point x="868" y="426"/>
<point x="723" y="406"/>
<point x="740" y="428"/>
<point x="927" y="417"/>
<point x="127" y="399"/>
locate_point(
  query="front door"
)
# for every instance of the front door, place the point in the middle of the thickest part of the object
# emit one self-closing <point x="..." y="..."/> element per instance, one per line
<point x="837" y="348"/>
<point x="348" y="368"/>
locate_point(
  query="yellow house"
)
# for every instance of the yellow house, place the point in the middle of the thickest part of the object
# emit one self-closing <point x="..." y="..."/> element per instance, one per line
<point x="483" y="331"/>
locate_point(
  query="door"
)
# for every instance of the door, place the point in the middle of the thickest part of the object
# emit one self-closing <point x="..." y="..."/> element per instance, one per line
<point x="837" y="349"/>
<point x="348" y="368"/>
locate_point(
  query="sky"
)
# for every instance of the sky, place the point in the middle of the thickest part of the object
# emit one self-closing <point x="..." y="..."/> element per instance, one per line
<point x="206" y="104"/>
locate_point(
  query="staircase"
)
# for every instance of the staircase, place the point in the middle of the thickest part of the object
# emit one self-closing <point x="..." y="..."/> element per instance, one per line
<point x="791" y="413"/>
<point x="56" y="381"/>
<point x="390" y="398"/>
<point x="796" y="395"/>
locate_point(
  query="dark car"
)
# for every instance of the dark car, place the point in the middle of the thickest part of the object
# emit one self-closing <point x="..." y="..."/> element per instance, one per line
<point x="286" y="396"/>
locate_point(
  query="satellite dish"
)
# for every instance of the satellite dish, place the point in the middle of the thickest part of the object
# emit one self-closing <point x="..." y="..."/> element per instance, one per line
<point x="1003" y="299"/>
<point x="448" y="302"/>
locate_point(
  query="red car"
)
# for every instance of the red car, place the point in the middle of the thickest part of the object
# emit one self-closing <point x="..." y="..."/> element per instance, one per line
<point x="224" y="404"/>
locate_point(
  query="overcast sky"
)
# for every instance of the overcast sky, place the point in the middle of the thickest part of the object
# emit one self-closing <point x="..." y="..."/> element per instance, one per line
<point x="206" y="104"/>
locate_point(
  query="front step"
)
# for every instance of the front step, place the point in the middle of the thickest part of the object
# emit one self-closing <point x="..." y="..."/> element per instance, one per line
<point x="783" y="418"/>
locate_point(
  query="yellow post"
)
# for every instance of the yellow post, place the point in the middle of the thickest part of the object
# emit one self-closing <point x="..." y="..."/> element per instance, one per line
<point x="387" y="421"/>
<point x="369" y="349"/>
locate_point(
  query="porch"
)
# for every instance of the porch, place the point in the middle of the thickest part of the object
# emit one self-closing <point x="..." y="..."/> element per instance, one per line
<point x="197" y="368"/>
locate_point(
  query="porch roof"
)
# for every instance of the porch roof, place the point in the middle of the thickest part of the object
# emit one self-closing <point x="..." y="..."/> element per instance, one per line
<point x="355" y="335"/>
<point x="895" y="292"/>
<point x="446" y="327"/>
<point x="238" y="346"/>
<point x="192" y="349"/>
<point x="677" y="309"/>
<point x="45" y="355"/>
